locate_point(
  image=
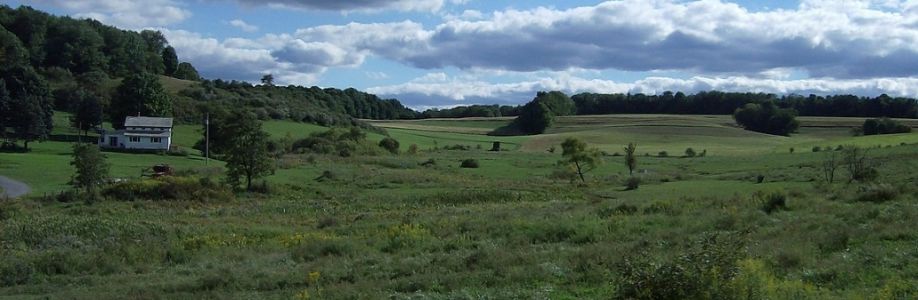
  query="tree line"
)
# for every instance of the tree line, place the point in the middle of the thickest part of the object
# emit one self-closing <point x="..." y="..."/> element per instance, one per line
<point x="708" y="103"/>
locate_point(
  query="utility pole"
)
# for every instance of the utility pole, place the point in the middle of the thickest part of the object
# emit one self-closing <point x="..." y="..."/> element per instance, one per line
<point x="207" y="139"/>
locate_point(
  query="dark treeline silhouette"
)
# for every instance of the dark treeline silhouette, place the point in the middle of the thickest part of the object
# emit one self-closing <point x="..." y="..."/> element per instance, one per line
<point x="323" y="106"/>
<point x="472" y="111"/>
<point x="722" y="103"/>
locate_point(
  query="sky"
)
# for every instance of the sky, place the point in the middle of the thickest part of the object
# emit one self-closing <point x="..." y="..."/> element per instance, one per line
<point x="443" y="53"/>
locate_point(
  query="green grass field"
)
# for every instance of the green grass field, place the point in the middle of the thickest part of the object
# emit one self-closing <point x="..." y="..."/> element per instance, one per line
<point x="389" y="227"/>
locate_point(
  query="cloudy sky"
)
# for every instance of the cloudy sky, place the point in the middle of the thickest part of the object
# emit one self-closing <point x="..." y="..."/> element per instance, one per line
<point x="453" y="52"/>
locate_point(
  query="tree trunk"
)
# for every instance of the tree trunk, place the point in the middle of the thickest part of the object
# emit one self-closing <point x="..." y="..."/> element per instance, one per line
<point x="580" y="172"/>
<point x="248" y="182"/>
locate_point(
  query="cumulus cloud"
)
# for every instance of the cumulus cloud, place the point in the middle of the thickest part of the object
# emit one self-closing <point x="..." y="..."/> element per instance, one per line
<point x="439" y="89"/>
<point x="353" y="5"/>
<point x="242" y="25"/>
<point x="133" y="14"/>
<point x="841" y="39"/>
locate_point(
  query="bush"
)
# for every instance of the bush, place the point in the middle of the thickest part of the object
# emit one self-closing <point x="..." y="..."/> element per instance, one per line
<point x="817" y="148"/>
<point x="413" y="149"/>
<point x="767" y="118"/>
<point x="689" y="152"/>
<point x="878" y="193"/>
<point x="313" y="250"/>
<point x="772" y="202"/>
<point x="663" y="154"/>
<point x="169" y="188"/>
<point x="389" y="144"/>
<point x="632" y="183"/>
<point x="469" y="164"/>
<point x="883" y="126"/>
<point x="429" y="163"/>
<point x="760" y="179"/>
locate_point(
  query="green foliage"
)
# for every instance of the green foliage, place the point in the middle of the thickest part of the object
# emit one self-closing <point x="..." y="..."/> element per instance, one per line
<point x="88" y="114"/>
<point x="771" y="202"/>
<point x="92" y="169"/>
<point x="186" y="71"/>
<point x="631" y="157"/>
<point x="469" y="163"/>
<point x="884" y="126"/>
<point x="267" y="80"/>
<point x="170" y="61"/>
<point x="344" y="143"/>
<point x="689" y="152"/>
<point x="535" y="117"/>
<point x="705" y="270"/>
<point x="557" y="103"/>
<point x="877" y="193"/>
<point x="247" y="154"/>
<point x="583" y="159"/>
<point x="139" y="94"/>
<point x="860" y="166"/>
<point x="390" y="145"/>
<point x="170" y="188"/>
<point x="767" y="118"/>
<point x="26" y="106"/>
<point x="632" y="183"/>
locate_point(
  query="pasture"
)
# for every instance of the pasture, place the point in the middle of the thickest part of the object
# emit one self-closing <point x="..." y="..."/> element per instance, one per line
<point x="419" y="226"/>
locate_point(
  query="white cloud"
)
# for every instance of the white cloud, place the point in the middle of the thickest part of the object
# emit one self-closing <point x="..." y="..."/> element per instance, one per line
<point x="132" y="14"/>
<point x="823" y="38"/>
<point x="354" y="5"/>
<point x="437" y="89"/>
<point x="242" y="25"/>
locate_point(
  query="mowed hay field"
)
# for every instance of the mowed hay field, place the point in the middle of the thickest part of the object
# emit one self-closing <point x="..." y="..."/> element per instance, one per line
<point x="417" y="226"/>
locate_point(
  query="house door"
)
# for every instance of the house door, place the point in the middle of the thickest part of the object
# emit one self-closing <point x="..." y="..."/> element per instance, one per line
<point x="113" y="141"/>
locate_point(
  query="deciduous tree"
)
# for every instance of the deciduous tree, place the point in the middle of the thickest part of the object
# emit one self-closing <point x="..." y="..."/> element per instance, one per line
<point x="247" y="156"/>
<point x="577" y="154"/>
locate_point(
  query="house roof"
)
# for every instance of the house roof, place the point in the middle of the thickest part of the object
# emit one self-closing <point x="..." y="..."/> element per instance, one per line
<point x="148" y="134"/>
<point x="148" y="122"/>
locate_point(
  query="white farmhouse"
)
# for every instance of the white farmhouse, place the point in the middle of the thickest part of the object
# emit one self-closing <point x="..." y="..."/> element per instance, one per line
<point x="139" y="133"/>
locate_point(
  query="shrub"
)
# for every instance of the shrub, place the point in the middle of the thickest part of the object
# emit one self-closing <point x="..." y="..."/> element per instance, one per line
<point x="760" y="179"/>
<point x="767" y="118"/>
<point x="327" y="222"/>
<point x="883" y="126"/>
<point x="709" y="267"/>
<point x="817" y="148"/>
<point x="313" y="250"/>
<point x="772" y="202"/>
<point x="632" y="183"/>
<point x="689" y="152"/>
<point x="663" y="154"/>
<point x="469" y="164"/>
<point x="326" y="175"/>
<point x="878" y="193"/>
<point x="169" y="188"/>
<point x="413" y="149"/>
<point x="791" y="150"/>
<point x="389" y="144"/>
<point x="429" y="163"/>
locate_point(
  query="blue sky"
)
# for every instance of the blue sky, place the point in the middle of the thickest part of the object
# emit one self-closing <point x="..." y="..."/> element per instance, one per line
<point x="437" y="53"/>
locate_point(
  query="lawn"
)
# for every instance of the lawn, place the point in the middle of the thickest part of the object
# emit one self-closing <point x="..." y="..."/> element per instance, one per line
<point x="419" y="226"/>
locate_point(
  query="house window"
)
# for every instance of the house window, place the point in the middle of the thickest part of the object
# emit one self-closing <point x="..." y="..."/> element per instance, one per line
<point x="135" y="139"/>
<point x="156" y="140"/>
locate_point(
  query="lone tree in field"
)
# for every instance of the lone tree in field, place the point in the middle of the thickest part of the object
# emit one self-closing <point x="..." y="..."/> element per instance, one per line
<point x="631" y="158"/>
<point x="91" y="167"/>
<point x="583" y="159"/>
<point x="247" y="153"/>
<point x="767" y="118"/>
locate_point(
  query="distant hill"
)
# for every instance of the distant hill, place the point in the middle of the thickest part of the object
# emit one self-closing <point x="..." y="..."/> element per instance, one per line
<point x="68" y="55"/>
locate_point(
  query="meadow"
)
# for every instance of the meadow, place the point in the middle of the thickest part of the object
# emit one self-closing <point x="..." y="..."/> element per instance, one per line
<point x="417" y="226"/>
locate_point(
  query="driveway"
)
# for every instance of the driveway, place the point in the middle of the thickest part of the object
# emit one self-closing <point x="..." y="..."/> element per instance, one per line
<point x="13" y="188"/>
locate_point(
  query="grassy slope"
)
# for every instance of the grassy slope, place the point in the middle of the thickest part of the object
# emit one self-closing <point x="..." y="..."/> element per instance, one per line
<point x="483" y="231"/>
